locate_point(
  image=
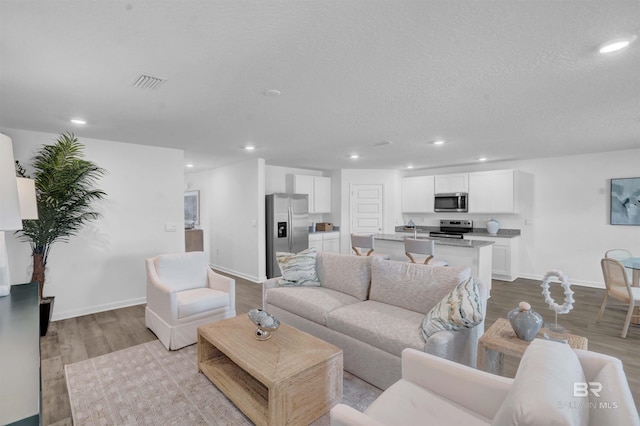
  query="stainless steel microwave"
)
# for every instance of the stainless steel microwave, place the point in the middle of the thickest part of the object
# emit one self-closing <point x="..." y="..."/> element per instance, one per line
<point x="454" y="202"/>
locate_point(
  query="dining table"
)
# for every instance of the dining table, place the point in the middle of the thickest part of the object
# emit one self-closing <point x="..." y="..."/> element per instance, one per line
<point x="633" y="263"/>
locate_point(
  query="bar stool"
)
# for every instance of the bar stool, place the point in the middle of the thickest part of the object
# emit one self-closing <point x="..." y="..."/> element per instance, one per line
<point x="366" y="242"/>
<point x="425" y="247"/>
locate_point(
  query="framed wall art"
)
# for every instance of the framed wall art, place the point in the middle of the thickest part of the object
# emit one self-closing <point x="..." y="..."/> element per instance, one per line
<point x="625" y="201"/>
<point x="191" y="209"/>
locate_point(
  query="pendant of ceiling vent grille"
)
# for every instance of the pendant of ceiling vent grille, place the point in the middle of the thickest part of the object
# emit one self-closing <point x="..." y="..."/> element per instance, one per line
<point x="147" y="81"/>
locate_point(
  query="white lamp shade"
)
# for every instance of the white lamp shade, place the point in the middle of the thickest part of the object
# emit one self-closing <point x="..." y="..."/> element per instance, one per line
<point x="10" y="219"/>
<point x="27" y="198"/>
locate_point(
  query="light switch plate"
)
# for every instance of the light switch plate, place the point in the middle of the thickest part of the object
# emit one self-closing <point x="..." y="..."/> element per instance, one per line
<point x="170" y="227"/>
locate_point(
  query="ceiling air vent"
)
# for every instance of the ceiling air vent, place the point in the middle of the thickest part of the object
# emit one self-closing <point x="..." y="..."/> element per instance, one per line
<point x="148" y="81"/>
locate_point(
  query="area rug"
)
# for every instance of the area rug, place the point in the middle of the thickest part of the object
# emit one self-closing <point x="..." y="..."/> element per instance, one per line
<point x="148" y="385"/>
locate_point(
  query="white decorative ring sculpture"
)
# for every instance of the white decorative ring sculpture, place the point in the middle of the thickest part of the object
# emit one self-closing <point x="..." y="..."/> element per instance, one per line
<point x="568" y="294"/>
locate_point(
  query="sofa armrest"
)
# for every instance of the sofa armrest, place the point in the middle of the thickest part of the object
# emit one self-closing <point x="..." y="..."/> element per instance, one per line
<point x="476" y="390"/>
<point x="161" y="299"/>
<point x="608" y="373"/>
<point x="456" y="345"/>
<point x="223" y="283"/>
<point x="266" y="285"/>
<point x="343" y="415"/>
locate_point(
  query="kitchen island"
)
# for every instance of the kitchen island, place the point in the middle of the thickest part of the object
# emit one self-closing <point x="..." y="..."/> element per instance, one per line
<point x="476" y="254"/>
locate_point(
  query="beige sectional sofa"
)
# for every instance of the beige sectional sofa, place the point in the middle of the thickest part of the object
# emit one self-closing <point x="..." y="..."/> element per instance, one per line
<point x="373" y="309"/>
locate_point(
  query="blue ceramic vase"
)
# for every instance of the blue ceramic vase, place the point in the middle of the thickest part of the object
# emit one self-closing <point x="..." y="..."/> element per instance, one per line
<point x="525" y="322"/>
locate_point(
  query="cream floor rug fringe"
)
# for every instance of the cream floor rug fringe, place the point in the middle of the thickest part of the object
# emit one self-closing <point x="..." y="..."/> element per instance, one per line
<point x="148" y="385"/>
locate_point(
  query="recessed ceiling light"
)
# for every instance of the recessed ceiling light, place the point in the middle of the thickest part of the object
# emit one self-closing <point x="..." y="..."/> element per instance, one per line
<point x="439" y="142"/>
<point x="354" y="156"/>
<point x="78" y="121"/>
<point x="615" y="45"/>
<point x="482" y="159"/>
<point x="249" y="147"/>
<point x="272" y="92"/>
<point x="189" y="165"/>
<point x="409" y="166"/>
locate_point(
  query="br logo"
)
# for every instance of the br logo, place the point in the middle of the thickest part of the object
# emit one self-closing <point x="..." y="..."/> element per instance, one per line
<point x="581" y="389"/>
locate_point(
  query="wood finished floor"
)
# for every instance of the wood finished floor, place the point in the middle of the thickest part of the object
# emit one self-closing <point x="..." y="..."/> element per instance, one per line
<point x="85" y="337"/>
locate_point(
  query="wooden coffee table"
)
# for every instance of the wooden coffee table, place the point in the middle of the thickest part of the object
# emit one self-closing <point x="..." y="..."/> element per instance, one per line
<point x="501" y="340"/>
<point x="292" y="378"/>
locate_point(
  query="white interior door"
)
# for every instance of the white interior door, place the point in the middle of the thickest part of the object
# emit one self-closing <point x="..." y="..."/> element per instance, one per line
<point x="366" y="208"/>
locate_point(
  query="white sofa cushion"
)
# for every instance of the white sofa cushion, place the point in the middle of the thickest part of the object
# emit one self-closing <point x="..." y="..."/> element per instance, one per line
<point x="298" y="269"/>
<point x="614" y="404"/>
<point x="384" y="326"/>
<point x="312" y="303"/>
<point x="407" y="404"/>
<point x="183" y="271"/>
<point x="347" y="274"/>
<point x="413" y="286"/>
<point x="461" y="308"/>
<point x="198" y="300"/>
<point x="543" y="389"/>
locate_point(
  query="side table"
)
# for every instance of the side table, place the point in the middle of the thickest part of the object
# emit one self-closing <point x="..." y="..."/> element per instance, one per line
<point x="501" y="340"/>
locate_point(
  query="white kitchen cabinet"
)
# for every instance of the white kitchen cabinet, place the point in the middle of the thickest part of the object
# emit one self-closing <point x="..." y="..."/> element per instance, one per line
<point x="493" y="192"/>
<point x="318" y="188"/>
<point x="315" y="240"/>
<point x="504" y="258"/>
<point x="331" y="242"/>
<point x="325" y="241"/>
<point x="445" y="184"/>
<point x="321" y="194"/>
<point x="417" y="194"/>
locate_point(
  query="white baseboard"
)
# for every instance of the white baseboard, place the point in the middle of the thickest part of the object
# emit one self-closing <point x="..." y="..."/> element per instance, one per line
<point x="95" y="309"/>
<point x="591" y="284"/>
<point x="251" y="278"/>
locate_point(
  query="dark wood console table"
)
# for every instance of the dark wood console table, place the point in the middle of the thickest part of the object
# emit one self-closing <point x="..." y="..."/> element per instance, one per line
<point x="20" y="356"/>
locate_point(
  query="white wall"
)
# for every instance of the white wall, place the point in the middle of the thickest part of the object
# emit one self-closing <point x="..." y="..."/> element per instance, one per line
<point x="391" y="192"/>
<point x="103" y="267"/>
<point x="568" y="226"/>
<point x="233" y="217"/>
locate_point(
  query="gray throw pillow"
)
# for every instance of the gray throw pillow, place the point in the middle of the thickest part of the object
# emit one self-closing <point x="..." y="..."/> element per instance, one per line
<point x="298" y="269"/>
<point x="461" y="308"/>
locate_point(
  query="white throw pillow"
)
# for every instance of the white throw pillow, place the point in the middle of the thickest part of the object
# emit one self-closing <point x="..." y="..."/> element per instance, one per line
<point x="461" y="308"/>
<point x="298" y="269"/>
<point x="543" y="390"/>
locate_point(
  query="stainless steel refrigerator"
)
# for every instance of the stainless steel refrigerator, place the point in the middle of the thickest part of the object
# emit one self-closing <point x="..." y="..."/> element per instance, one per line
<point x="287" y="218"/>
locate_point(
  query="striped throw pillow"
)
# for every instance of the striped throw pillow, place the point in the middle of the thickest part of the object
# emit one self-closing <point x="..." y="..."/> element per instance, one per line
<point x="298" y="269"/>
<point x="461" y="308"/>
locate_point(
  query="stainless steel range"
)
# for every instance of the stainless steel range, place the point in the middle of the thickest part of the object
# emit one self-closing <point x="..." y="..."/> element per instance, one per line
<point x="453" y="229"/>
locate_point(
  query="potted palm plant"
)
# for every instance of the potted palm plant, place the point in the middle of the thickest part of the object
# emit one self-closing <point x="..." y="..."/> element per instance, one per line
<point x="66" y="196"/>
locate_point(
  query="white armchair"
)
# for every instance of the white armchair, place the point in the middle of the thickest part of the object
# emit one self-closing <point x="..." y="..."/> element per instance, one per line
<point x="184" y="293"/>
<point x="437" y="391"/>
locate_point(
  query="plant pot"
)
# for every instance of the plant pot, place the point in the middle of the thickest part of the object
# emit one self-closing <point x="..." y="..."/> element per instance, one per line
<point x="46" y="310"/>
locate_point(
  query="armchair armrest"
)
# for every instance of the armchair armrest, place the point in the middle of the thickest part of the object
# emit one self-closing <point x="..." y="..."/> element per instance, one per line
<point x="270" y="283"/>
<point x="221" y="282"/>
<point x="161" y="299"/>
<point x="343" y="415"/>
<point x="481" y="392"/>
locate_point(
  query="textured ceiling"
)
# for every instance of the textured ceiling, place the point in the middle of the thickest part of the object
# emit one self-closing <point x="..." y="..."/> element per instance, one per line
<point x="503" y="79"/>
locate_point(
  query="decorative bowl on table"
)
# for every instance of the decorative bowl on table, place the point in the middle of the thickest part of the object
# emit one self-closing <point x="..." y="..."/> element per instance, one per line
<point x="266" y="323"/>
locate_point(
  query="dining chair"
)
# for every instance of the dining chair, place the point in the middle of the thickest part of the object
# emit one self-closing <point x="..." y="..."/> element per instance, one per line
<point x="619" y="287"/>
<point x="359" y="242"/>
<point x="621" y="254"/>
<point x="422" y="246"/>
